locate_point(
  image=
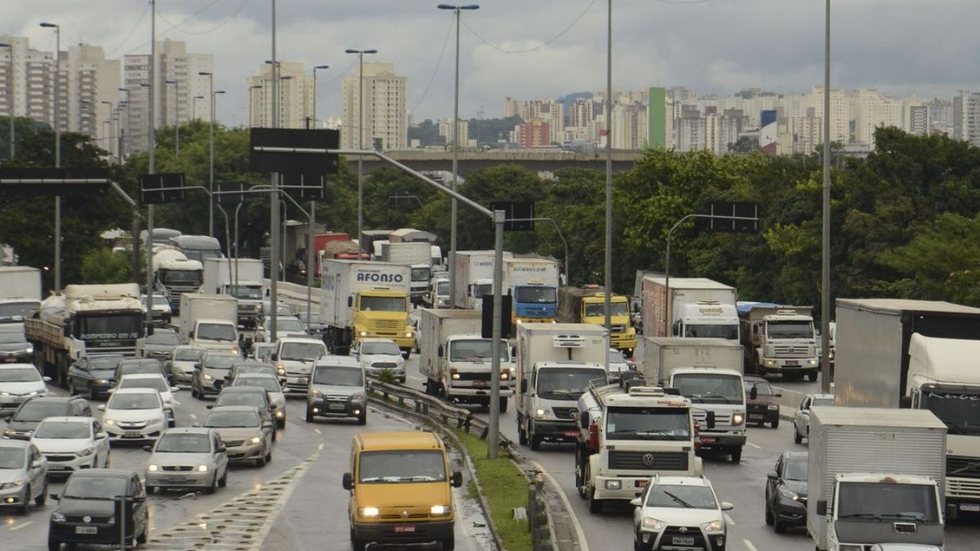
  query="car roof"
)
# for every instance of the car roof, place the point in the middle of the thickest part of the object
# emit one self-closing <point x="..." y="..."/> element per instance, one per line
<point x="254" y="375"/>
<point x="137" y="376"/>
<point x="304" y="339"/>
<point x="753" y="379"/>
<point x="377" y="339"/>
<point x="103" y="473"/>
<point x="821" y="396"/>
<point x="793" y="454"/>
<point x="52" y="399"/>
<point x="68" y="419"/>
<point x="337" y="361"/>
<point x="188" y="430"/>
<point x="4" y="443"/>
<point x="253" y="409"/>
<point x="402" y="440"/>
<point x="241" y="389"/>
<point x="136" y="390"/>
<point x="134" y="361"/>
<point x="18" y="366"/>
<point x="682" y="481"/>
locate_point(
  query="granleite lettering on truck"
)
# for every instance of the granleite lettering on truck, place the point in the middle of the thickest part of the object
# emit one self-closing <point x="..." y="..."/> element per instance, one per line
<point x="379" y="277"/>
<point x="532" y="268"/>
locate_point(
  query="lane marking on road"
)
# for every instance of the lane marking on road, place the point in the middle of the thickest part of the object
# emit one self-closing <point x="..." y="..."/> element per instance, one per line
<point x="583" y="544"/>
<point x="728" y="520"/>
<point x="756" y="446"/>
<point x="193" y="416"/>
<point x="748" y="544"/>
<point x="317" y="431"/>
<point x="19" y="526"/>
<point x="320" y="447"/>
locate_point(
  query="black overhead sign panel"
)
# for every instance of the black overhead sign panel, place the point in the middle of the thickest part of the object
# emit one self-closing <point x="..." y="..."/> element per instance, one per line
<point x="53" y="181"/>
<point x="157" y="189"/>
<point x="289" y="150"/>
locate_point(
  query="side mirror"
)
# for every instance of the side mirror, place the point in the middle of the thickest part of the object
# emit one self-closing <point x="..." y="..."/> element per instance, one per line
<point x="66" y="332"/>
<point x="55" y="497"/>
<point x="905" y="402"/>
<point x="440" y="351"/>
<point x="147" y="448"/>
<point x="46" y="379"/>
<point x="198" y="366"/>
<point x="754" y="393"/>
<point x="149" y="330"/>
<point x="709" y="419"/>
<point x="726" y="506"/>
<point x="274" y="357"/>
<point x="100" y="407"/>
<point x="778" y="395"/>
<point x="771" y="475"/>
<point x="457" y="479"/>
<point x="347" y="481"/>
<point x="267" y="425"/>
<point x="523" y="385"/>
<point x="209" y="406"/>
<point x="36" y="464"/>
<point x="822" y="507"/>
<point x="636" y="502"/>
<point x="102" y="435"/>
<point x="221" y="449"/>
<point x="584" y="419"/>
<point x="350" y="301"/>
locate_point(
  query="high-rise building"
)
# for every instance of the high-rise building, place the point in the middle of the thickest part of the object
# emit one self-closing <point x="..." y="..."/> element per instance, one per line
<point x="175" y="102"/>
<point x="533" y="133"/>
<point x="872" y="110"/>
<point x="918" y="120"/>
<point x="295" y="97"/>
<point x="383" y="109"/>
<point x="966" y="117"/>
<point x="840" y="115"/>
<point x="629" y="126"/>
<point x="462" y="127"/>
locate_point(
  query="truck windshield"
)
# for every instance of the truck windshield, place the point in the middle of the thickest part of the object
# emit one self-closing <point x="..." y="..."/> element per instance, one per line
<point x="12" y="337"/>
<point x="710" y="388"/>
<point x="18" y="311"/>
<point x="401" y="466"/>
<point x="215" y="332"/>
<point x="189" y="277"/>
<point x="544" y="295"/>
<point x="566" y="383"/>
<point x="442" y="288"/>
<point x="480" y="290"/>
<point x="789" y="330"/>
<point x="887" y="501"/>
<point x="246" y="292"/>
<point x="421" y="274"/>
<point x="596" y="309"/>
<point x="383" y="304"/>
<point x="711" y="331"/>
<point x="654" y="423"/>
<point x="109" y="328"/>
<point x="301" y="351"/>
<point x="959" y="410"/>
<point x="475" y="350"/>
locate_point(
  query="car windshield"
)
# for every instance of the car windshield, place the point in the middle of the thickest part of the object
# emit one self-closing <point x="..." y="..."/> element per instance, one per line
<point x="761" y="387"/>
<point x="789" y="329"/>
<point x="18" y="311"/>
<point x="220" y="361"/>
<point x="711" y="331"/>
<point x="12" y="458"/>
<point x="39" y="410"/>
<point x="471" y="350"/>
<point x="595" y="309"/>
<point x="544" y="295"/>
<point x="336" y="375"/>
<point x="63" y="429"/>
<point x="383" y="304"/>
<point x="795" y="468"/>
<point x="959" y="410"/>
<point x="822" y="402"/>
<point x="658" y="423"/>
<point x="301" y="351"/>
<point x="230" y="419"/>
<point x="142" y="400"/>
<point x="681" y="497"/>
<point x="710" y="388"/>
<point x="19" y="375"/>
<point x="267" y="384"/>
<point x="163" y="337"/>
<point x="616" y="357"/>
<point x="184" y="443"/>
<point x="566" y="383"/>
<point x="103" y="362"/>
<point x="386" y="348"/>
<point x="401" y="466"/>
<point x="188" y="354"/>
<point x="291" y="325"/>
<point x="242" y="369"/>
<point x="156" y="383"/>
<point x="245" y="292"/>
<point x="12" y="337"/>
<point x="91" y="487"/>
<point x="887" y="501"/>
<point x="216" y="332"/>
<point x="240" y="399"/>
<point x="169" y="277"/>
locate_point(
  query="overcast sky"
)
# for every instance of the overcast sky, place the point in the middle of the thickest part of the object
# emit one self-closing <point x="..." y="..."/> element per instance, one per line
<point x="532" y="48"/>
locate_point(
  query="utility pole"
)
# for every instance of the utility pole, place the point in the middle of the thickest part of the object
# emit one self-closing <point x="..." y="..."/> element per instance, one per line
<point x="360" y="139"/>
<point x="274" y="200"/>
<point x="57" y="152"/>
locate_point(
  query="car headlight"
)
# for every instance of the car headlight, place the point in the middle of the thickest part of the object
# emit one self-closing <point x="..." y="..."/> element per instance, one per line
<point x="12" y="485"/>
<point x="614" y="484"/>
<point x="29" y="349"/>
<point x="279" y="412"/>
<point x="86" y="452"/>
<point x="738" y="419"/>
<point x="540" y="413"/>
<point x="788" y="494"/>
<point x="152" y="468"/>
<point x="208" y="377"/>
<point x="811" y="362"/>
<point x="108" y="421"/>
<point x="773" y="406"/>
<point x="504" y="375"/>
<point x="256" y="440"/>
<point x="280" y="369"/>
<point x="202" y="468"/>
<point x="57" y="517"/>
<point x="652" y="524"/>
<point x="363" y="333"/>
<point x="369" y="512"/>
<point x="9" y="432"/>
<point x="316" y="393"/>
<point x="101" y="382"/>
<point x="439" y="510"/>
<point x="713" y="527"/>
<point x="455" y="375"/>
<point x="4" y="393"/>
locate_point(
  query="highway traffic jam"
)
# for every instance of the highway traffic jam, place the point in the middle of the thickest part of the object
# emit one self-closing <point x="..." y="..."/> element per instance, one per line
<point x="123" y="432"/>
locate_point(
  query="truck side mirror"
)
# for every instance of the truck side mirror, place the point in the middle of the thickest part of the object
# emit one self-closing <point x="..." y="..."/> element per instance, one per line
<point x="584" y="420"/>
<point x="347" y="481"/>
<point x="439" y="352"/>
<point x="457" y="479"/>
<point x="709" y="419"/>
<point x="905" y="402"/>
<point x="274" y="357"/>
<point x="350" y="301"/>
<point x="66" y="330"/>
<point x="822" y="507"/>
<point x="191" y="334"/>
<point x="523" y="385"/>
<point x="754" y="393"/>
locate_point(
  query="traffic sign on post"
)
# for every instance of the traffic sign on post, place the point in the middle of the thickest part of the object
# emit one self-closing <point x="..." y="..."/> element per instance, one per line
<point x="486" y="329"/>
<point x="292" y="150"/>
<point x="304" y="187"/>
<point x="230" y="193"/>
<point x="53" y="181"/>
<point x="156" y="189"/>
<point x="733" y="216"/>
<point x="518" y="214"/>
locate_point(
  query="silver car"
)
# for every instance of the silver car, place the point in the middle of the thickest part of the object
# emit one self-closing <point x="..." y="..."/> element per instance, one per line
<point x="273" y="389"/>
<point x="246" y="436"/>
<point x="23" y="475"/>
<point x="180" y="365"/>
<point x="187" y="457"/>
<point x="337" y="389"/>
<point x="801" y="419"/>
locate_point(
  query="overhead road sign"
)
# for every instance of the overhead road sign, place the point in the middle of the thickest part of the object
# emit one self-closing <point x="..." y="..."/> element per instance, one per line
<point x="156" y="189"/>
<point x="53" y="181"/>
<point x="290" y="150"/>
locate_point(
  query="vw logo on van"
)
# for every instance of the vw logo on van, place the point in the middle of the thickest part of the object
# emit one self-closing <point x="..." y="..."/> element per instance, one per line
<point x="648" y="459"/>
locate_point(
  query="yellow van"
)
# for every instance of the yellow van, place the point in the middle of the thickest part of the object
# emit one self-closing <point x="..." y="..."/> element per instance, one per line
<point x="400" y="490"/>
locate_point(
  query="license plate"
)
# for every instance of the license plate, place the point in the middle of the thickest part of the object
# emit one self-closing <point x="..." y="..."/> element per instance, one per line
<point x="973" y="507"/>
<point x="335" y="407"/>
<point x="10" y="359"/>
<point x="571" y="433"/>
<point x="481" y="384"/>
<point x="756" y="415"/>
<point x="642" y="483"/>
<point x="792" y="363"/>
<point x="173" y="480"/>
<point x="132" y="435"/>
<point x="683" y="541"/>
<point x="86" y="530"/>
<point x="707" y="440"/>
<point x="404" y="529"/>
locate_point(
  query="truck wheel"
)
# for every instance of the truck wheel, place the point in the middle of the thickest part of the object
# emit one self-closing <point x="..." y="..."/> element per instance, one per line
<point x="595" y="505"/>
<point x="503" y="404"/>
<point x="521" y="435"/>
<point x="736" y="454"/>
<point x="775" y="422"/>
<point x="535" y="441"/>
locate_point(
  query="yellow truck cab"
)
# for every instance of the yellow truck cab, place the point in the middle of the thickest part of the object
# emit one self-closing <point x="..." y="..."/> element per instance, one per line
<point x="400" y="490"/>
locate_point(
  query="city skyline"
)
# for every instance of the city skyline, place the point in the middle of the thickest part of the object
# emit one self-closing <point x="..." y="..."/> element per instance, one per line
<point x="717" y="46"/>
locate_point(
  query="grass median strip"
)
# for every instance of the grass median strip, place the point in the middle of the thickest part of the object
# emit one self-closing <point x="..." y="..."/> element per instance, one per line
<point x="504" y="487"/>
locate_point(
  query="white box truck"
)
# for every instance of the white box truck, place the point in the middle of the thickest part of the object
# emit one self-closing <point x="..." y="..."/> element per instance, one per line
<point x="455" y="359"/>
<point x="418" y="256"/>
<point x="555" y="364"/>
<point x="209" y="321"/>
<point x="697" y="307"/>
<point x="474" y="277"/>
<point x="220" y="275"/>
<point x="709" y="373"/>
<point x="875" y="476"/>
<point x="20" y="293"/>
<point x="363" y="299"/>
<point x="533" y="286"/>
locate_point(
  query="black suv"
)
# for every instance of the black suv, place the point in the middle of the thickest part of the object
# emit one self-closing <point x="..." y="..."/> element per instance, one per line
<point x="92" y="375"/>
<point x="86" y="511"/>
<point x="22" y="423"/>
<point x="786" y="492"/>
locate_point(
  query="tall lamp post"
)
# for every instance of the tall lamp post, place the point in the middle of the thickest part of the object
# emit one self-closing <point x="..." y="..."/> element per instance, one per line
<point x="194" y="107"/>
<point x="176" y="84"/>
<point x="251" y="89"/>
<point x="360" y="139"/>
<point x="825" y="261"/>
<point x="315" y="69"/>
<point x="10" y="96"/>
<point x="453" y="214"/>
<point x="151" y="146"/>
<point x="110" y="138"/>
<point x="210" y="76"/>
<point x="607" y="307"/>
<point x="57" y="153"/>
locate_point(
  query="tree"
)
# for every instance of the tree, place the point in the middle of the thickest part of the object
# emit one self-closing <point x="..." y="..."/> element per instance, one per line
<point x="101" y="265"/>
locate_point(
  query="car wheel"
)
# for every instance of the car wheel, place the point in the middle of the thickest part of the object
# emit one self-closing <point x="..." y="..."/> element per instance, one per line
<point x="595" y="505"/>
<point x="151" y="489"/>
<point x="54" y="545"/>
<point x="106" y="466"/>
<point x="27" y="501"/>
<point x="736" y="454"/>
<point x="768" y="516"/>
<point x="521" y="436"/>
<point x="91" y="393"/>
<point x="274" y="435"/>
<point x="141" y="539"/>
<point x="796" y="436"/>
<point x="42" y="499"/>
<point x="260" y="461"/>
<point x="449" y="544"/>
<point x="503" y="405"/>
<point x="354" y="543"/>
<point x="194" y="393"/>
<point x="309" y="414"/>
<point x="775" y="422"/>
<point x="282" y="424"/>
<point x="223" y="481"/>
<point x="268" y="456"/>
<point x="214" y="485"/>
<point x="362" y="419"/>
<point x="71" y="387"/>
<point x="779" y="527"/>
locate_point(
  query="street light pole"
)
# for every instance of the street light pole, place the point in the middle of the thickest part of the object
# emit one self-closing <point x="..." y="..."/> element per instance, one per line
<point x="453" y="210"/>
<point x="360" y="140"/>
<point x="210" y="76"/>
<point x="315" y="69"/>
<point x="607" y="307"/>
<point x="825" y="263"/>
<point x="57" y="153"/>
<point x="151" y="144"/>
<point x="10" y="96"/>
<point x="274" y="199"/>
<point x="109" y="138"/>
<point x="176" y="84"/>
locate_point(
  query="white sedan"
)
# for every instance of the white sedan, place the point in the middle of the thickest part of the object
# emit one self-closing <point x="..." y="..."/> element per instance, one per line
<point x="155" y="382"/>
<point x="134" y="415"/>
<point x="71" y="444"/>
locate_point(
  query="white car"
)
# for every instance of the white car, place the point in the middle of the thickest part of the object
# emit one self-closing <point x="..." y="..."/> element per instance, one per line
<point x="157" y="383"/>
<point x="801" y="419"/>
<point x="18" y="382"/>
<point x="187" y="457"/>
<point x="272" y="388"/>
<point x="71" y="444"/>
<point x="378" y="355"/>
<point x="133" y="415"/>
<point x="679" y="512"/>
<point x="618" y="364"/>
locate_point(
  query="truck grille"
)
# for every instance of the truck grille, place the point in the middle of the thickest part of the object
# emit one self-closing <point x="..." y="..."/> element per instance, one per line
<point x="564" y="413"/>
<point x="473" y="376"/>
<point x="384" y="365"/>
<point x="385" y="325"/>
<point x="962" y="467"/>
<point x="648" y="461"/>
<point x="791" y="350"/>
<point x="720" y="420"/>
<point x="178" y="468"/>
<point x="234" y="443"/>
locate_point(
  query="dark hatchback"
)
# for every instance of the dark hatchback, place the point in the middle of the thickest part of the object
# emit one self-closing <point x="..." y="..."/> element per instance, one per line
<point x="22" y="423"/>
<point x="92" y="375"/>
<point x="761" y="402"/>
<point x="786" y="492"/>
<point x="139" y="366"/>
<point x="86" y="511"/>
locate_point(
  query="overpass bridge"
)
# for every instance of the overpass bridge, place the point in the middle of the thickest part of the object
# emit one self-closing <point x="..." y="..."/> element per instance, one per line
<point x="535" y="161"/>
